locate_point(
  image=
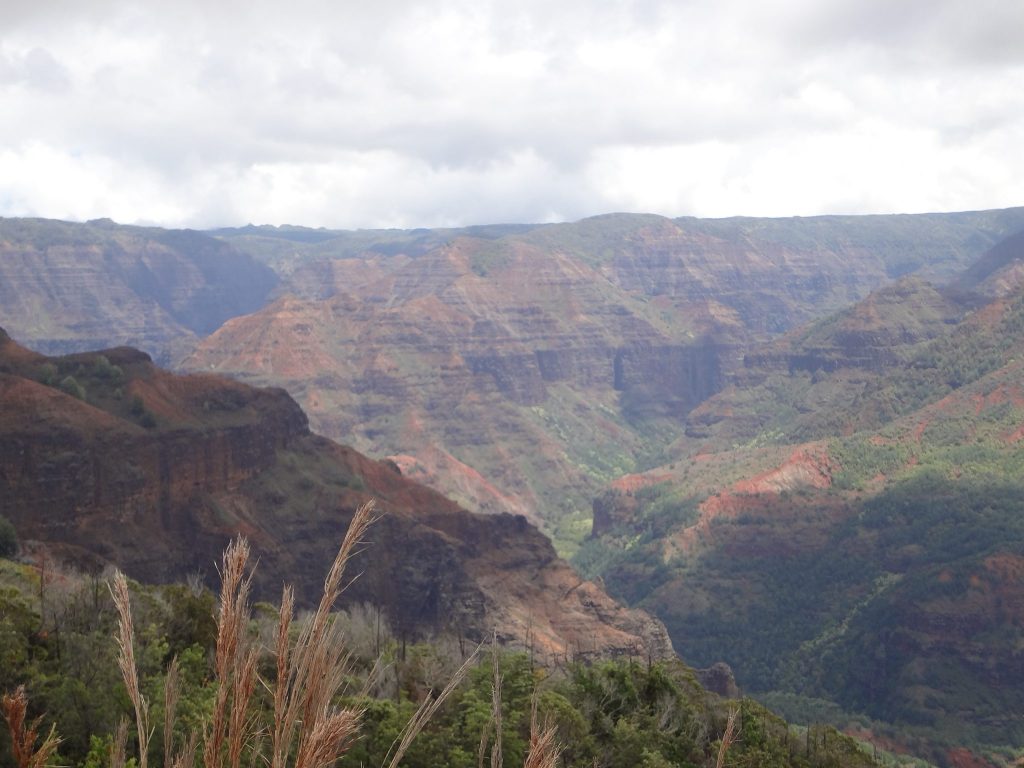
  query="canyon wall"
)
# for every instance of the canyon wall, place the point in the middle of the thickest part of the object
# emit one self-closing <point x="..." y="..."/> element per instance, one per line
<point x="155" y="473"/>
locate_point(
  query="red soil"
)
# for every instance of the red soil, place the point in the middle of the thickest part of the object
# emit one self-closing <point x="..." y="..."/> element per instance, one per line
<point x="808" y="466"/>
<point x="632" y="483"/>
<point x="961" y="757"/>
<point x="434" y="466"/>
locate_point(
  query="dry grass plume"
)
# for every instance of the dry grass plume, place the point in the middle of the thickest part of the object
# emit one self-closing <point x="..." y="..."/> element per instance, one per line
<point x="24" y="734"/>
<point x="305" y="728"/>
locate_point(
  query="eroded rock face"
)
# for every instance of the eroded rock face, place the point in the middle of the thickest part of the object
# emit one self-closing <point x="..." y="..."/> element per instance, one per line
<point x="438" y="357"/>
<point x="156" y="472"/>
<point x="785" y="386"/>
<point x="486" y="376"/>
<point x="70" y="287"/>
<point x="549" y="360"/>
<point x="613" y="509"/>
<point x="719" y="678"/>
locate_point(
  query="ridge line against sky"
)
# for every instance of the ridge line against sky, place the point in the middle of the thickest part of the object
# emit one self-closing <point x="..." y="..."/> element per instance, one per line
<point x="454" y="112"/>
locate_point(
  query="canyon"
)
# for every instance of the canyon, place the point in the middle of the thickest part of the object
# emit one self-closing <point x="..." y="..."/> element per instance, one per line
<point x="794" y="441"/>
<point x="155" y="473"/>
<point x="515" y="368"/>
<point x="521" y="371"/>
<point x="842" y="521"/>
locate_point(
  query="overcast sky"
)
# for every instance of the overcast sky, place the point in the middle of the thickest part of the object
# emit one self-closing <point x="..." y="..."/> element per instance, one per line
<point x="393" y="113"/>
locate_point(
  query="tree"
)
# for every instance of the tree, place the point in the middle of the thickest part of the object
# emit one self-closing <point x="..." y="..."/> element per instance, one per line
<point x="69" y="385"/>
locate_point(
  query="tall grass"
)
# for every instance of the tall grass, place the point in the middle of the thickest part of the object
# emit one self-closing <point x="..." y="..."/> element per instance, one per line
<point x="304" y="729"/>
<point x="24" y="734"/>
<point x="727" y="738"/>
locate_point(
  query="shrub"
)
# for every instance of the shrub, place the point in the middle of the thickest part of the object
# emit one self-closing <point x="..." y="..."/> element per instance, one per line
<point x="8" y="538"/>
<point x="102" y="369"/>
<point x="69" y="385"/>
<point x="304" y="727"/>
<point x="48" y="374"/>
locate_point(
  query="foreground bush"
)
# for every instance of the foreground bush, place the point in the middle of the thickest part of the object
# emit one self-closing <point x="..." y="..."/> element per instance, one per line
<point x="254" y="685"/>
<point x="295" y="722"/>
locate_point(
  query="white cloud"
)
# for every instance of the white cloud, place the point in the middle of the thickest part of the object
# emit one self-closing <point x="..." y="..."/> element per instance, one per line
<point x="409" y="114"/>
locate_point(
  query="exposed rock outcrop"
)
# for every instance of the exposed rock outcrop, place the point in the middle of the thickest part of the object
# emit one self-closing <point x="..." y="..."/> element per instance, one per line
<point x="719" y="678"/>
<point x="154" y="472"/>
<point x="551" y="358"/>
<point x="486" y="376"/>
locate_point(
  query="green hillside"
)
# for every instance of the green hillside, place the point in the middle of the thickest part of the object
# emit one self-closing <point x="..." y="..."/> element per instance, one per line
<point x="879" y="566"/>
<point x="57" y="629"/>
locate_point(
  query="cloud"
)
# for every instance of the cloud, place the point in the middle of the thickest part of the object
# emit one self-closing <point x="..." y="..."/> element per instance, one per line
<point x="928" y="33"/>
<point x="409" y="114"/>
<point x="37" y="69"/>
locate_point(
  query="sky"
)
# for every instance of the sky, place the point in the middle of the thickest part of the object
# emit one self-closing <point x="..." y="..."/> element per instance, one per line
<point x="403" y="114"/>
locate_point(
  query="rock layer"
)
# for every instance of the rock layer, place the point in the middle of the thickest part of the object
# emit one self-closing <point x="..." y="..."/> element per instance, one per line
<point x="155" y="472"/>
<point x="550" y="360"/>
<point x="484" y="376"/>
<point x="70" y="287"/>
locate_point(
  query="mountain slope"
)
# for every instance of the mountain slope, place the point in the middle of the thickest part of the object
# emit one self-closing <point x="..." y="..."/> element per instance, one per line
<point x="106" y="458"/>
<point x="71" y="287"/>
<point x="900" y="348"/>
<point x="523" y="370"/>
<point x="880" y="569"/>
<point x="515" y="376"/>
<point x="789" y="390"/>
<point x="997" y="273"/>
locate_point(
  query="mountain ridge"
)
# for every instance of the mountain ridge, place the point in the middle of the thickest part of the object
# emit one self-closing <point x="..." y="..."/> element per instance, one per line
<point x="551" y="360"/>
<point x="70" y="287"/>
<point x="869" y="555"/>
<point x="184" y="463"/>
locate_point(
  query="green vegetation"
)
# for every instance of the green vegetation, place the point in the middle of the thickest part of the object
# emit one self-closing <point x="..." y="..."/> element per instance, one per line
<point x="490" y="257"/>
<point x="8" y="538"/>
<point x="632" y="557"/>
<point x="70" y="386"/>
<point x="892" y="596"/>
<point x="889" y="595"/>
<point x="973" y="350"/>
<point x="102" y="369"/>
<point x="867" y="366"/>
<point x="56" y="629"/>
<point x="137" y="408"/>
<point x="885" y="616"/>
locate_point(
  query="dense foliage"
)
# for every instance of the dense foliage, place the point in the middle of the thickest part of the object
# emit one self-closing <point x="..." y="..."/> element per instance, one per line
<point x="8" y="538"/>
<point x="892" y="598"/>
<point x="895" y="598"/>
<point x="903" y="607"/>
<point x="56" y="634"/>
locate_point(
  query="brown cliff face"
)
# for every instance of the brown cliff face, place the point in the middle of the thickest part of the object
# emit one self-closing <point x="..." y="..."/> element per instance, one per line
<point x="66" y="287"/>
<point x="785" y="387"/>
<point x="155" y="472"/>
<point x="536" y="365"/>
<point x="499" y="363"/>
